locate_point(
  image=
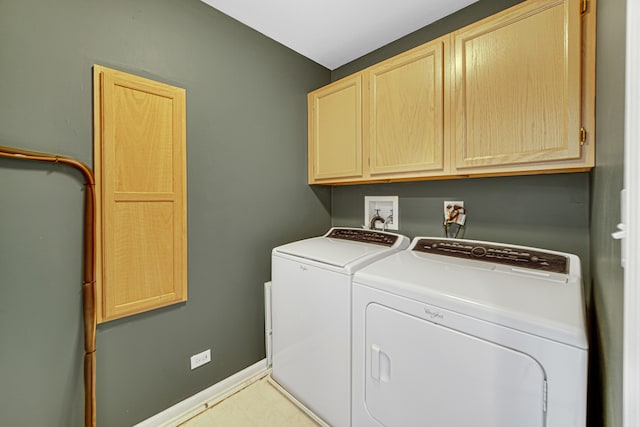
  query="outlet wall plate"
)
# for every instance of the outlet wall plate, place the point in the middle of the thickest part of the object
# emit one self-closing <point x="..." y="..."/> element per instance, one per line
<point x="200" y="359"/>
<point x="388" y="209"/>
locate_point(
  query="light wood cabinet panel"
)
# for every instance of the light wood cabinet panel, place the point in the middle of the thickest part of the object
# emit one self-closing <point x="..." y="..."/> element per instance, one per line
<point x="407" y="112"/>
<point x="140" y="165"/>
<point x="518" y="86"/>
<point x="335" y="131"/>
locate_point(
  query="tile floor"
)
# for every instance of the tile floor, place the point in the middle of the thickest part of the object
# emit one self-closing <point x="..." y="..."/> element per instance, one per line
<point x="258" y="405"/>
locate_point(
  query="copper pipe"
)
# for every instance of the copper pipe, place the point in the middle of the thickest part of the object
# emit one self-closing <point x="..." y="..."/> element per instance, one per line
<point x="89" y="284"/>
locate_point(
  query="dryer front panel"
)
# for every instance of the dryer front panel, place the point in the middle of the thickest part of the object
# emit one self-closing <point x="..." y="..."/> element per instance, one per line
<point x="418" y="373"/>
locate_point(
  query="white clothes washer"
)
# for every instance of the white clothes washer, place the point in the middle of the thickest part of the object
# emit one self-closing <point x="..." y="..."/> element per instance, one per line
<point x="311" y="315"/>
<point x="458" y="333"/>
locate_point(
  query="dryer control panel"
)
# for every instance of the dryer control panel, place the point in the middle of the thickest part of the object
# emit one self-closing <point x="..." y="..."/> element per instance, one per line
<point x="363" y="236"/>
<point x="508" y="255"/>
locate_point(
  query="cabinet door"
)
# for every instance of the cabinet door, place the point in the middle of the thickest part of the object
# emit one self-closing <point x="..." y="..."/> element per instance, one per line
<point x="335" y="131"/>
<point x="140" y="164"/>
<point x="406" y="112"/>
<point x="517" y="87"/>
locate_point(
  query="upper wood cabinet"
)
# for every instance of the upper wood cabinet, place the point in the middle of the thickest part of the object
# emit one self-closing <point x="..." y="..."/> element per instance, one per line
<point x="406" y="100"/>
<point x="517" y="96"/>
<point x="392" y="128"/>
<point x="511" y="94"/>
<point x="140" y="169"/>
<point x="335" y="131"/>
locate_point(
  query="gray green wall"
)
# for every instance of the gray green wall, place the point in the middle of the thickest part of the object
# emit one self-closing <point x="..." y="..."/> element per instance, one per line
<point x="567" y="212"/>
<point x="607" y="181"/>
<point x="247" y="192"/>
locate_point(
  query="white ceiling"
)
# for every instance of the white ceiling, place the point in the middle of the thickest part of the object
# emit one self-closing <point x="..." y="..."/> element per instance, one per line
<point x="334" y="32"/>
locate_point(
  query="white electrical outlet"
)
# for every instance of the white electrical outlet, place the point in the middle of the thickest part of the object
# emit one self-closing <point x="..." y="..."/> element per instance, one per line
<point x="200" y="359"/>
<point x="386" y="207"/>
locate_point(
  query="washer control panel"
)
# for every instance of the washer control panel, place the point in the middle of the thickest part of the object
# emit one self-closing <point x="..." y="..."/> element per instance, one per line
<point x="517" y="257"/>
<point x="363" y="236"/>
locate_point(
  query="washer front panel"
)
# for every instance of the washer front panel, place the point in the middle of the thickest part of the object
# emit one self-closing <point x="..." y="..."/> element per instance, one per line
<point x="310" y="318"/>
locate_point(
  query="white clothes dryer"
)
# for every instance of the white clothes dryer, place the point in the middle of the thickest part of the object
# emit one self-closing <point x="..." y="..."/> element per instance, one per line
<point x="311" y="315"/>
<point x="458" y="333"/>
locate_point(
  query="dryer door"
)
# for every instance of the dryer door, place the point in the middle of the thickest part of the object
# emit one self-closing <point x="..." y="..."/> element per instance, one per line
<point x="419" y="373"/>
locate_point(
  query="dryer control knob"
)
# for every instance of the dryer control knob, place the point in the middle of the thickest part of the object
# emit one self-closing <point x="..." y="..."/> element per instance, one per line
<point x="478" y="251"/>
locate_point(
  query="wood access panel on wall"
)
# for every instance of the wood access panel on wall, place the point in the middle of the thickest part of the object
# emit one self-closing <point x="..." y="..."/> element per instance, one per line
<point x="140" y="169"/>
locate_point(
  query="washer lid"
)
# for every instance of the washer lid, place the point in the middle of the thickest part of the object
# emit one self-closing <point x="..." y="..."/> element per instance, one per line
<point x="548" y="305"/>
<point x="339" y="248"/>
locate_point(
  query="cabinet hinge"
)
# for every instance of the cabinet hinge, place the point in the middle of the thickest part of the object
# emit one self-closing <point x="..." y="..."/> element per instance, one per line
<point x="583" y="136"/>
<point x="584" y="6"/>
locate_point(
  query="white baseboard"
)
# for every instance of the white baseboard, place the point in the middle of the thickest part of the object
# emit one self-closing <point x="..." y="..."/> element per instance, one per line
<point x="200" y="402"/>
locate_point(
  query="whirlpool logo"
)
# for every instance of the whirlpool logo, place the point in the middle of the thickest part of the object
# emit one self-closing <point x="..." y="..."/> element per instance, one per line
<point x="433" y="314"/>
